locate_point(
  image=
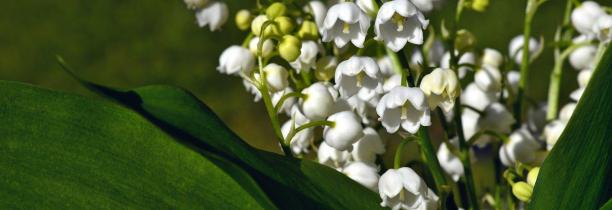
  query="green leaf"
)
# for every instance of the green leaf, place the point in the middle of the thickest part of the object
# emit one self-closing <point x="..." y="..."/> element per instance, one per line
<point x="61" y="151"/>
<point x="290" y="182"/>
<point x="576" y="173"/>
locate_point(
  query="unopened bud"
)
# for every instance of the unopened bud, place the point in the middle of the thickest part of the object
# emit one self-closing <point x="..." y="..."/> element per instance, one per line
<point x="464" y="41"/>
<point x="522" y="191"/>
<point x="308" y="31"/>
<point x="532" y="176"/>
<point x="258" y="22"/>
<point x="480" y="5"/>
<point x="326" y="68"/>
<point x="285" y="24"/>
<point x="243" y="19"/>
<point x="275" y="10"/>
<point x="289" y="48"/>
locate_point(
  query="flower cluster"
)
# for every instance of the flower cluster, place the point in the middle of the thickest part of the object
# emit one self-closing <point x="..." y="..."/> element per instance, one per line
<point x="337" y="72"/>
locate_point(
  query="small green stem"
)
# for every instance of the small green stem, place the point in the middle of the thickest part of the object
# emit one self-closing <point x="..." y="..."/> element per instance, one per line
<point x="491" y="133"/>
<point x="464" y="149"/>
<point x="554" y="87"/>
<point x="397" y="159"/>
<point x="431" y="159"/>
<point x="397" y="66"/>
<point x="282" y="100"/>
<point x="306" y="77"/>
<point x="532" y="7"/>
<point x="293" y="132"/>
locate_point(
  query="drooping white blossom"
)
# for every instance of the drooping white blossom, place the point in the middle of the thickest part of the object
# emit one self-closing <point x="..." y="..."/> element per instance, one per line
<point x="356" y="74"/>
<point x="301" y="141"/>
<point x="367" y="6"/>
<point x="488" y="79"/>
<point x="468" y="58"/>
<point x="317" y="103"/>
<point x="585" y="16"/>
<point x="345" y="131"/>
<point x="603" y="28"/>
<point x="363" y="173"/>
<point x="492" y="58"/>
<point x="449" y="162"/>
<point x="424" y="5"/>
<point x="516" y="48"/>
<point x="583" y="57"/>
<point x="405" y="107"/>
<point x="404" y="189"/>
<point x="276" y="76"/>
<point x="214" y="14"/>
<point x="332" y="157"/>
<point x="477" y="98"/>
<point x="266" y="49"/>
<point x="236" y="59"/>
<point x="318" y="11"/>
<point x="441" y="87"/>
<point x="345" y="23"/>
<point x="307" y="59"/>
<point x="552" y="132"/>
<point x="399" y="22"/>
<point x="370" y="145"/>
<point x="288" y="104"/>
<point x="521" y="147"/>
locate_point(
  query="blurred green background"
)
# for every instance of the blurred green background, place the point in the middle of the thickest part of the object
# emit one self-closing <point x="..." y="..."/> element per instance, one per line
<point x="130" y="43"/>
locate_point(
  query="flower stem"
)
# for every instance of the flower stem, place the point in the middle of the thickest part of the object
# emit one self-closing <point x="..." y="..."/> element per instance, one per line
<point x="464" y="149"/>
<point x="431" y="159"/>
<point x="397" y="66"/>
<point x="293" y="132"/>
<point x="397" y="159"/>
<point x="282" y="100"/>
<point x="530" y="10"/>
<point x="554" y="87"/>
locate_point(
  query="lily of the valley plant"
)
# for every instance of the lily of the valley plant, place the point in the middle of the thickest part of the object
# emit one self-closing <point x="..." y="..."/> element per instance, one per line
<point x="345" y="82"/>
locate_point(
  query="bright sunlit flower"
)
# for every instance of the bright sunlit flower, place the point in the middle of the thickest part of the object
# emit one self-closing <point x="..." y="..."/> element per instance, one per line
<point x="404" y="189"/>
<point x="332" y="157"/>
<point x="214" y="14"/>
<point x="307" y="58"/>
<point x="521" y="147"/>
<point x="358" y="73"/>
<point x="516" y="48"/>
<point x="406" y="107"/>
<point x="552" y="132"/>
<point x="449" y="162"/>
<point x="345" y="22"/>
<point x="367" y="6"/>
<point x="370" y="145"/>
<point x="266" y="49"/>
<point x="441" y="87"/>
<point x="345" y="131"/>
<point x="276" y="77"/>
<point x="603" y="28"/>
<point x="492" y="58"/>
<point x="318" y="11"/>
<point x="236" y="59"/>
<point x="363" y="173"/>
<point x="584" y="17"/>
<point x="399" y="22"/>
<point x="317" y="103"/>
<point x="488" y="79"/>
<point x="583" y="57"/>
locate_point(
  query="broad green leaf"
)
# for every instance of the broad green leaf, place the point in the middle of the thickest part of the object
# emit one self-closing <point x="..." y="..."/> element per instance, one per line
<point x="577" y="172"/>
<point x="61" y="151"/>
<point x="290" y="182"/>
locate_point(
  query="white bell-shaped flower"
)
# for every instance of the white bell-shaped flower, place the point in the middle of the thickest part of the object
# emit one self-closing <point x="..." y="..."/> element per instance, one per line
<point x="250" y="87"/>
<point x="513" y="77"/>
<point x="345" y="22"/>
<point x="584" y="77"/>
<point x="536" y="117"/>
<point x="392" y="82"/>
<point x="424" y="5"/>
<point x="399" y="22"/>
<point x="584" y="17"/>
<point x="318" y="11"/>
<point x="516" y="48"/>
<point x="406" y="107"/>
<point x="566" y="112"/>
<point x="332" y="157"/>
<point x="521" y="147"/>
<point x="266" y="49"/>
<point x="386" y="66"/>
<point x="488" y="79"/>
<point x="449" y="162"/>
<point x="345" y="131"/>
<point x="370" y="145"/>
<point x="289" y="103"/>
<point x="466" y="58"/>
<point x="404" y="189"/>
<point x="495" y="118"/>
<point x="470" y="118"/>
<point x="603" y="28"/>
<point x="552" y="132"/>
<point x="492" y="58"/>
<point x="583" y="57"/>
<point x="358" y="73"/>
<point x="367" y="6"/>
<point x="276" y="77"/>
<point x="441" y="87"/>
<point x="577" y="94"/>
<point x="213" y="14"/>
<point x="236" y="59"/>
<point x="317" y="103"/>
<point x="307" y="58"/>
<point x="195" y="4"/>
<point x="477" y="98"/>
<point x="363" y="173"/>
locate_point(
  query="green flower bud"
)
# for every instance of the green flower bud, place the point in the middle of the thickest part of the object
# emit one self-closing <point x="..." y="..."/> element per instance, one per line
<point x="285" y="24"/>
<point x="243" y="19"/>
<point x="522" y="191"/>
<point x="308" y="30"/>
<point x="480" y="5"/>
<point x="289" y="48"/>
<point x="464" y="41"/>
<point x="258" y="22"/>
<point x="532" y="176"/>
<point x="275" y="10"/>
<point x="326" y="68"/>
